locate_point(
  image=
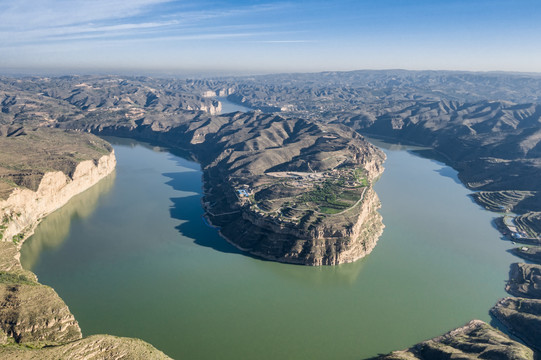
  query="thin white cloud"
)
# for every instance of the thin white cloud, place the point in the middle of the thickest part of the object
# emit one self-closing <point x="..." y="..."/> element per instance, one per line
<point x="80" y="32"/>
<point x="104" y="40"/>
<point x="251" y="10"/>
<point x="29" y="14"/>
<point x="285" y="41"/>
<point x="49" y="21"/>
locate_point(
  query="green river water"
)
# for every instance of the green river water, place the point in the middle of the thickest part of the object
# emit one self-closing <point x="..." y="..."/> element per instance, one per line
<point x="133" y="256"/>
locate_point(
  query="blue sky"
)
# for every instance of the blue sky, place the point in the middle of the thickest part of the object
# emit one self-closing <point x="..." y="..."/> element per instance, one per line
<point x="269" y="36"/>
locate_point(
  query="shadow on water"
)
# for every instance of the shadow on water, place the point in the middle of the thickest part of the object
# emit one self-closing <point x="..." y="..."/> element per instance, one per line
<point x="497" y="324"/>
<point x="185" y="158"/>
<point x="449" y="173"/>
<point x="192" y="223"/>
<point x="55" y="228"/>
<point x="446" y="170"/>
<point x="336" y="276"/>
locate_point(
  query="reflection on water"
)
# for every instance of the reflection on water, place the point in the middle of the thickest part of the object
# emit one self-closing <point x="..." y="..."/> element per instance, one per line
<point x="131" y="143"/>
<point x="339" y="275"/>
<point x="54" y="229"/>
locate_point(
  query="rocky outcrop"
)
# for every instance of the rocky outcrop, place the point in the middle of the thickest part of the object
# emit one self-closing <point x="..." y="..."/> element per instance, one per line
<point x="524" y="280"/>
<point x="530" y="253"/>
<point x="476" y="340"/>
<point x="213" y="108"/>
<point x="251" y="148"/>
<point x="522" y="317"/>
<point x="96" y="347"/>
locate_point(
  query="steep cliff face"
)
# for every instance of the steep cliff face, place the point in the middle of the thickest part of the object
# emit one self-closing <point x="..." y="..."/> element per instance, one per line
<point x="23" y="209"/>
<point x="213" y="108"/>
<point x="337" y="240"/>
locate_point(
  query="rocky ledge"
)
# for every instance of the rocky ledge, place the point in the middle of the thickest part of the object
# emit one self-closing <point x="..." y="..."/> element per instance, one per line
<point x="525" y="280"/>
<point x="522" y="317"/>
<point x="331" y="240"/>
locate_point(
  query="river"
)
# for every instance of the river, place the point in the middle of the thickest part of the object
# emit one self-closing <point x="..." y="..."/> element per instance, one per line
<point x="134" y="257"/>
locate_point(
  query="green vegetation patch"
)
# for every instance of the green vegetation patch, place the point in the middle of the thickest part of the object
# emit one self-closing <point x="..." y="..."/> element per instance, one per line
<point x="352" y="196"/>
<point x="331" y="197"/>
<point x="324" y="193"/>
<point x="360" y="176"/>
<point x="13" y="278"/>
<point x="330" y="210"/>
<point x="17" y="238"/>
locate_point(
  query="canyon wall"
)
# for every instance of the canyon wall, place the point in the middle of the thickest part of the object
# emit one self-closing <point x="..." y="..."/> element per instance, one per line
<point x="22" y="210"/>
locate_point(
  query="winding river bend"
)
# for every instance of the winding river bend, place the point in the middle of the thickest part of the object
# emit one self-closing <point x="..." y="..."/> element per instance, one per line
<point x="134" y="257"/>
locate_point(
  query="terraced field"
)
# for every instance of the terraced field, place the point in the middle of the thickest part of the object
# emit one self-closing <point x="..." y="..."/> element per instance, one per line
<point x="500" y="201"/>
<point x="530" y="223"/>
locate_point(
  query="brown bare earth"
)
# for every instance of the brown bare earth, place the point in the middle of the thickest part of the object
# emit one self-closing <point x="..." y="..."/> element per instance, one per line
<point x="524" y="280"/>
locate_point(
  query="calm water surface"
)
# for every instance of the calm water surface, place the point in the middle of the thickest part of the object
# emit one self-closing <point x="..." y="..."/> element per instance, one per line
<point x="133" y="257"/>
<point x="229" y="107"/>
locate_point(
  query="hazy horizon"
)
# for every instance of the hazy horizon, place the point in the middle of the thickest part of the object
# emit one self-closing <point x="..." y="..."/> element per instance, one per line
<point x="181" y="74"/>
<point x="197" y="38"/>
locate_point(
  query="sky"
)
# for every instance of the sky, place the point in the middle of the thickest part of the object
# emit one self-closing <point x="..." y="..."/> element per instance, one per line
<point x="256" y="37"/>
